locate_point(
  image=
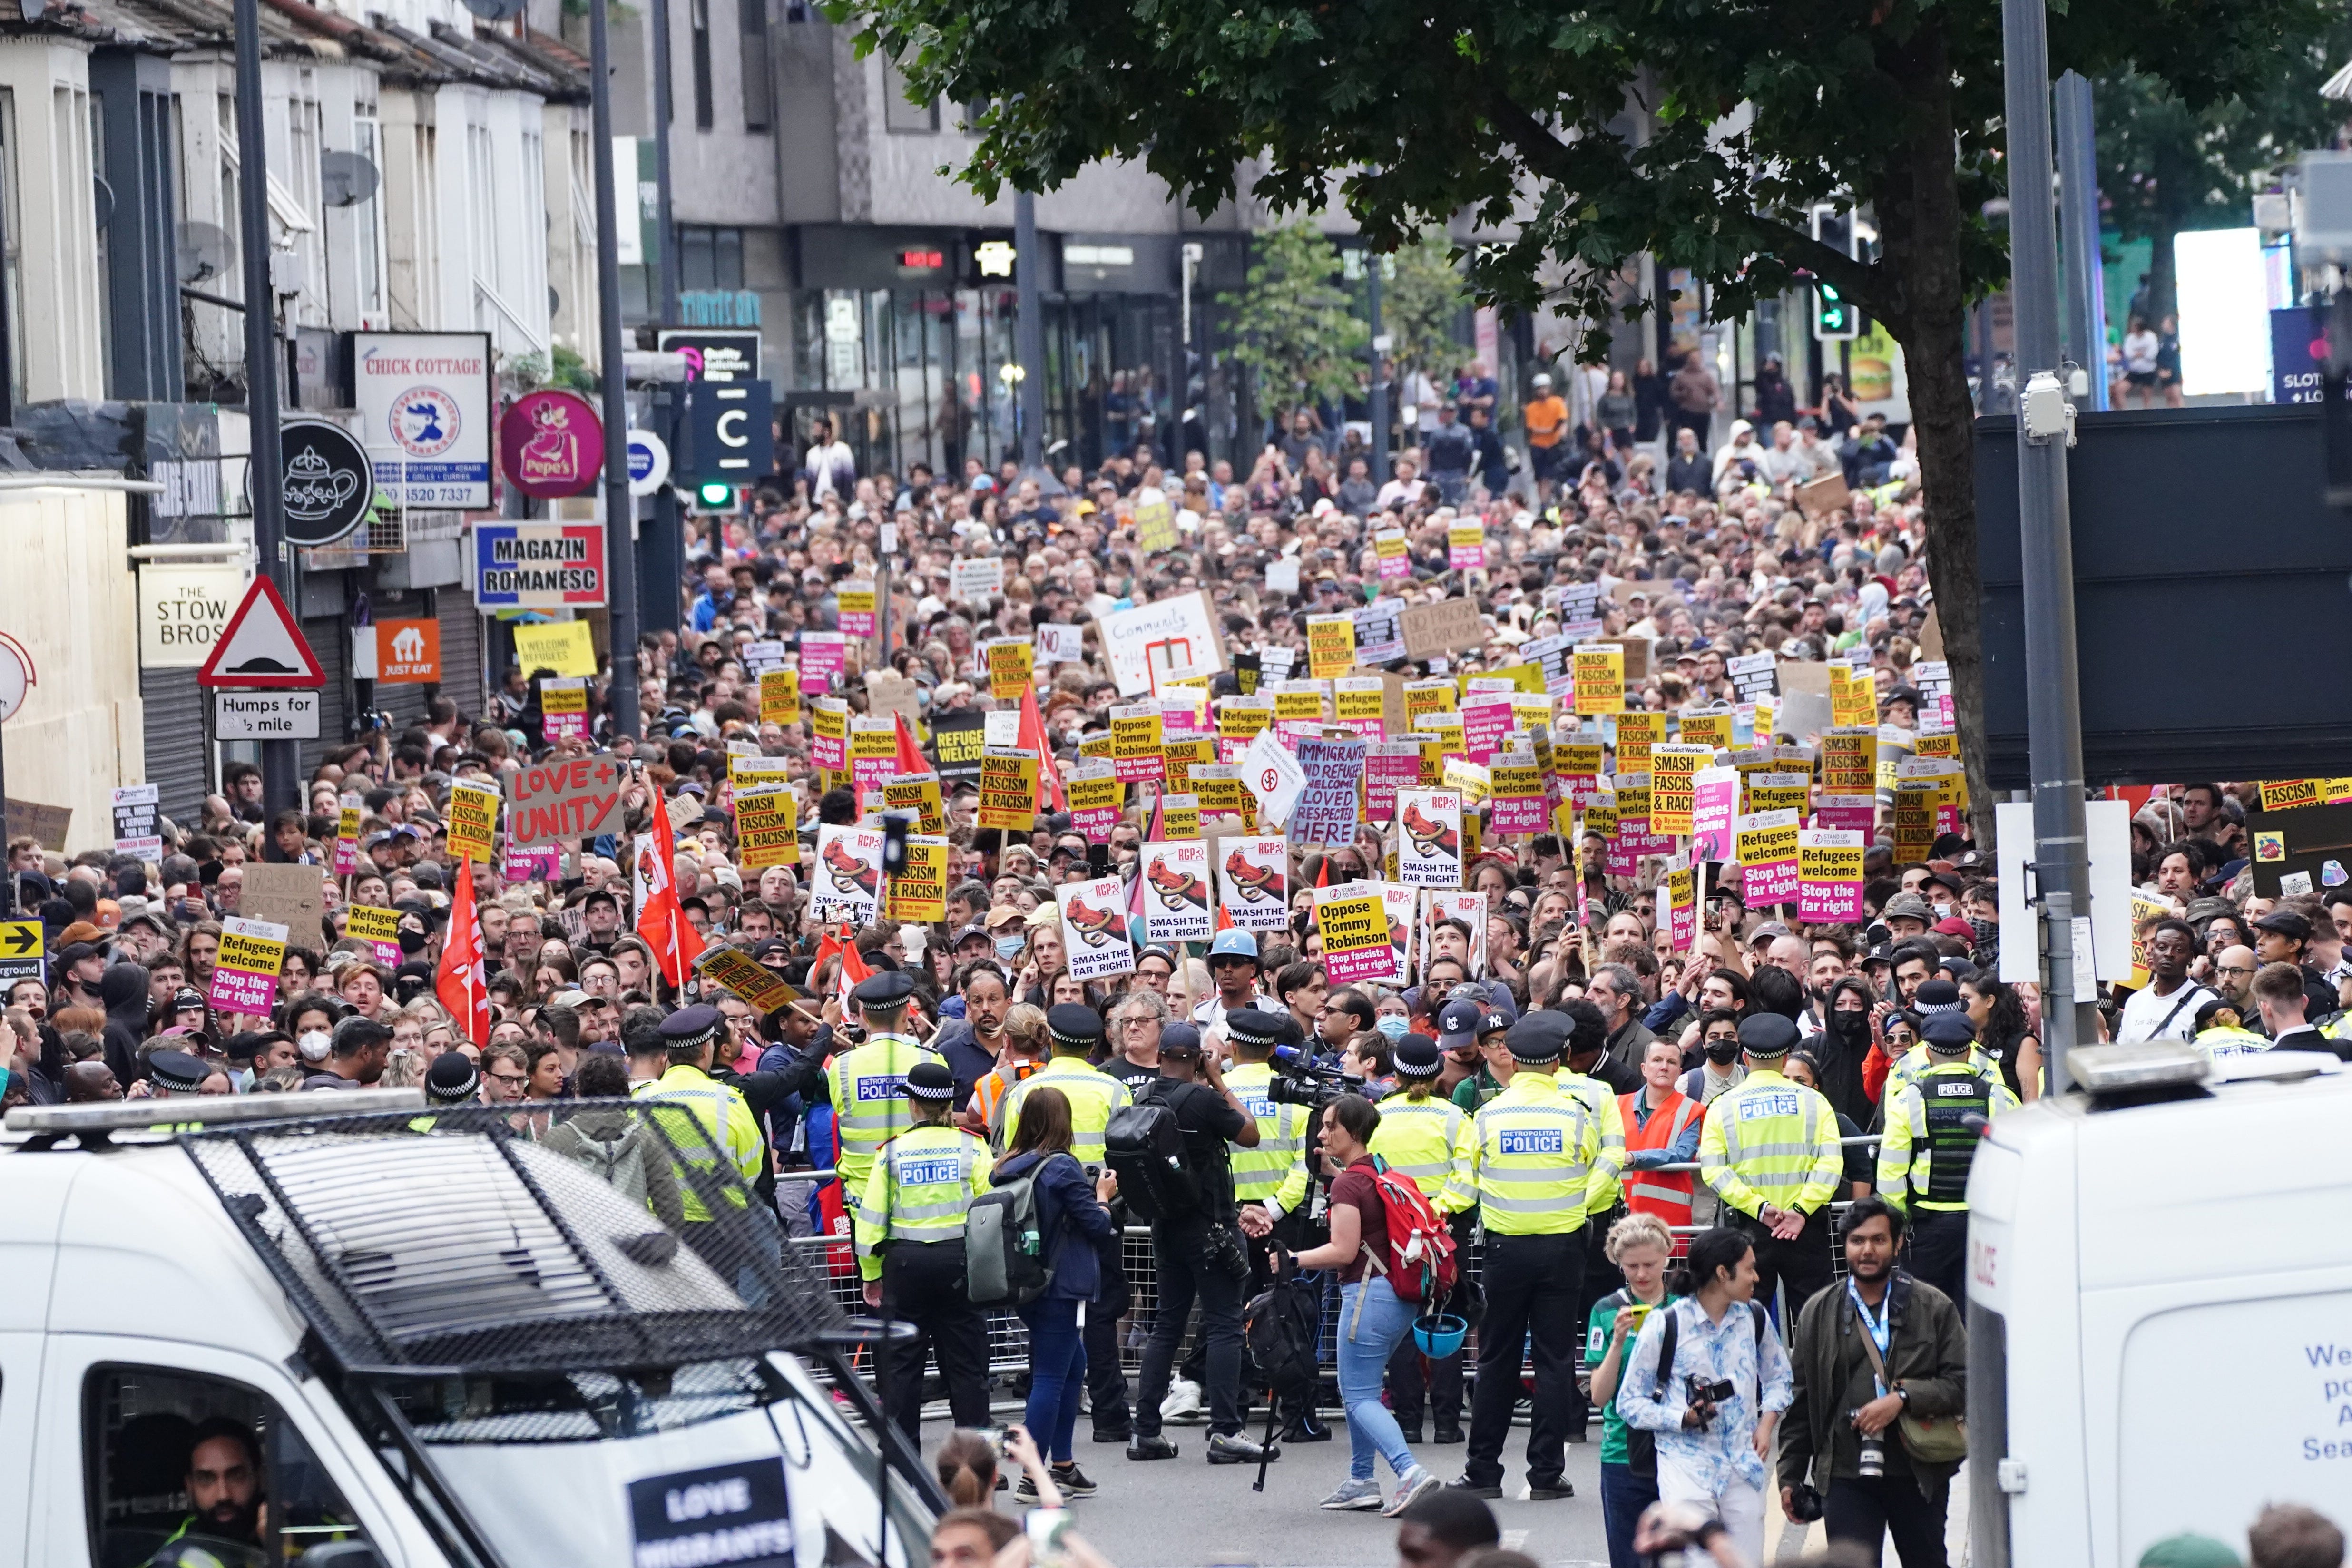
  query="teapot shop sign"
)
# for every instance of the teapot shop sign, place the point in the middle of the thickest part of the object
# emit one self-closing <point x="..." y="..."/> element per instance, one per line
<point x="328" y="483"/>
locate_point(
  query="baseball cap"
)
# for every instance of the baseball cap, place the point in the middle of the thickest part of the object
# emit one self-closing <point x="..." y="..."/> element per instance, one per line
<point x="1457" y="1024"/>
<point x="1232" y="944"/>
<point x="2188" y="1550"/>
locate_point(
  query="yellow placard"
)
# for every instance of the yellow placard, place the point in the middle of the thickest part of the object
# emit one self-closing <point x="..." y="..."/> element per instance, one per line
<point x="1008" y="787"/>
<point x="762" y="988"/>
<point x="1351" y="923"/>
<point x="1850" y="761"/>
<point x="1712" y="730"/>
<point x="1330" y="646"/>
<point x="473" y="821"/>
<point x="1103" y="793"/>
<point x="917" y="893"/>
<point x="249" y="954"/>
<point x="1388" y="544"/>
<point x="1461" y="538"/>
<point x="1136" y="737"/>
<point x="1360" y="698"/>
<point x="829" y="723"/>
<point x="1180" y="817"/>
<point x="1600" y="676"/>
<point x="854" y="599"/>
<point x="1600" y="817"/>
<point x="1853" y="696"/>
<point x="1304" y="701"/>
<point x="563" y="699"/>
<point x="1672" y="770"/>
<point x="1241" y="717"/>
<point x="1182" y="755"/>
<point x="767" y="827"/>
<point x="1218" y="787"/>
<point x="1915" y="821"/>
<point x="567" y="647"/>
<point x="347" y="823"/>
<point x="780" y="697"/>
<point x="1447" y="728"/>
<point x="1682" y="899"/>
<point x="1095" y="748"/>
<point x="2286" y="795"/>
<point x="917" y="793"/>
<point x="1428" y="696"/>
<point x="1577" y="759"/>
<point x="1475" y="781"/>
<point x="1432" y="760"/>
<point x="364" y="922"/>
<point x="1938" y="744"/>
<point x="1526" y="678"/>
<point x="1011" y="667"/>
<point x="1764" y="798"/>
<point x="1637" y="735"/>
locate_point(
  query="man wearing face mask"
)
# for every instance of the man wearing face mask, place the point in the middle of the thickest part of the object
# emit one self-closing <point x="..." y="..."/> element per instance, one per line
<point x="1722" y="1072"/>
<point x="1008" y="929"/>
<point x="1842" y="1047"/>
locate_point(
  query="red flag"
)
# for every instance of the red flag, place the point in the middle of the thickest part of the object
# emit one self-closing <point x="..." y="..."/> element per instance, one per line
<point x="458" y="980"/>
<point x="911" y="756"/>
<point x="1050" y="796"/>
<point x="843" y="944"/>
<point x="1323" y="871"/>
<point x="663" y="924"/>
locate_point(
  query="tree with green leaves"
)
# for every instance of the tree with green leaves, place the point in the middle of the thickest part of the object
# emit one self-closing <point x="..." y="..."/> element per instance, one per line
<point x="1422" y="297"/>
<point x="1694" y="131"/>
<point x="1295" y="327"/>
<point x="2165" y="166"/>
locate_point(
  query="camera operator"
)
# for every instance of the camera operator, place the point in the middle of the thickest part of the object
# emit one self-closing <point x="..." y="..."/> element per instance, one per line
<point x="1199" y="1254"/>
<point x="1270" y="1181"/>
<point x="1844" y="1421"/>
<point x="1709" y="1380"/>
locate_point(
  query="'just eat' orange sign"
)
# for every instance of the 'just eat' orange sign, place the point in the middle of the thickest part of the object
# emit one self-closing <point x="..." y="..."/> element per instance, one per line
<point x="565" y="802"/>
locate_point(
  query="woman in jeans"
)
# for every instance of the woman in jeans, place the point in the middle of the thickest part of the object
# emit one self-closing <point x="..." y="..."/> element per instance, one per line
<point x="1641" y="1245"/>
<point x="1372" y="1322"/>
<point x="1074" y="1222"/>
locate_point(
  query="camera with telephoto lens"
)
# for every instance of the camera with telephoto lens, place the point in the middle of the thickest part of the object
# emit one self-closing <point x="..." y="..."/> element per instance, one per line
<point x="1872" y="1460"/>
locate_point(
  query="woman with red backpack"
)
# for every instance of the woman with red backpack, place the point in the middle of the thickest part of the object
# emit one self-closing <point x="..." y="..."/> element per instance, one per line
<point x="1373" y="1317"/>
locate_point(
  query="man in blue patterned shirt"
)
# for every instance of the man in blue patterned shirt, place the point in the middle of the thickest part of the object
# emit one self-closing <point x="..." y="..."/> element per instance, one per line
<point x="1712" y="1408"/>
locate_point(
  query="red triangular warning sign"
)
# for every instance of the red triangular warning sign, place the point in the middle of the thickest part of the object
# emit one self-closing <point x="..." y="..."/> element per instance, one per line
<point x="262" y="647"/>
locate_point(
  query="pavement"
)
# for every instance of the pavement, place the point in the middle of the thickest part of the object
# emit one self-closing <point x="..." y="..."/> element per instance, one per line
<point x="1186" y="1513"/>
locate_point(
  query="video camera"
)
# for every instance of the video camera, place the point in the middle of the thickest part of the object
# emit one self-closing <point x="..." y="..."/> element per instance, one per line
<point x="1297" y="1080"/>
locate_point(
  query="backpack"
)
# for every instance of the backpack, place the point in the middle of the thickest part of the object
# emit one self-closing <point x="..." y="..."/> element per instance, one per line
<point x="619" y="1162"/>
<point x="1143" y="1145"/>
<point x="1641" y="1443"/>
<point x="1282" y="1327"/>
<point x="1421" y="1265"/>
<point x="1004" y="1244"/>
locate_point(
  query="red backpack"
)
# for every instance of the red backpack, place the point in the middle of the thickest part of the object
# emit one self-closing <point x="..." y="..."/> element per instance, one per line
<point x="1421" y="1265"/>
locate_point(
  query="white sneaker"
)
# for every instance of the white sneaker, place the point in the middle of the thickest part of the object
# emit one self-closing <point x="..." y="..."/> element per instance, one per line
<point x="1183" y="1402"/>
<point x="1354" y="1496"/>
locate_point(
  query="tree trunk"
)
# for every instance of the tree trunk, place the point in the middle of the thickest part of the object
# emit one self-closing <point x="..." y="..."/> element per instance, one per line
<point x="1920" y="221"/>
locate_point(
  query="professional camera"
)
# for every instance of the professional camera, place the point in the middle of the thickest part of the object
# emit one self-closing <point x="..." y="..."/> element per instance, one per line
<point x="1298" y="1082"/>
<point x="1704" y="1396"/>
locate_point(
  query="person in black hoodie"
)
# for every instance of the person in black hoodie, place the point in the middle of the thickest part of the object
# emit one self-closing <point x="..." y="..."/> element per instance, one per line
<point x="1842" y="1047"/>
<point x="122" y="991"/>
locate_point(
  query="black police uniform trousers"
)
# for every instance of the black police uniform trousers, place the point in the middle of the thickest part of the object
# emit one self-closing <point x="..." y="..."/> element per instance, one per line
<point x="1188" y="1272"/>
<point x="1939" y="1251"/>
<point x="1866" y="1509"/>
<point x="922" y="1285"/>
<point x="1297" y="1405"/>
<point x="1106" y="1383"/>
<point x="1532" y="1284"/>
<point x="1802" y="1268"/>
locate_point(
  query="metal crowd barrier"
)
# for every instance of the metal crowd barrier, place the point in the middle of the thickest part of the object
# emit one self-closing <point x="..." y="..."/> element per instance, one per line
<point x="1008" y="1338"/>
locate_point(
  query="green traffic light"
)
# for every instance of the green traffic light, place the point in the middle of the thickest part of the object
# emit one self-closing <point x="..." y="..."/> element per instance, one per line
<point x="715" y="494"/>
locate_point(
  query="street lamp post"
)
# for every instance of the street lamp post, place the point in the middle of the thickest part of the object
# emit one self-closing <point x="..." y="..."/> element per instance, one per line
<point x="620" y="509"/>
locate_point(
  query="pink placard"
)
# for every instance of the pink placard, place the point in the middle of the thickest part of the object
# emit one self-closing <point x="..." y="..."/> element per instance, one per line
<point x="1518" y="813"/>
<point x="1484" y="725"/>
<point x="1846" y="813"/>
<point x="823" y="661"/>
<point x="241" y="991"/>
<point x="1713" y="803"/>
<point x="1389" y="766"/>
<point x="1774" y="882"/>
<point x="558" y="727"/>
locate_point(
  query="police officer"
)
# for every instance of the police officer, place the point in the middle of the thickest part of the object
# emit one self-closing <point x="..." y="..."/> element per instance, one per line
<point x="866" y="1084"/>
<point x="1934" y="999"/>
<point x="452" y="1081"/>
<point x="1074" y="1033"/>
<point x="1929" y="1143"/>
<point x="1770" y="1152"/>
<point x="2220" y="1032"/>
<point x="1420" y="1136"/>
<point x="710" y="1127"/>
<point x="1533" y="1156"/>
<point x="176" y="1075"/>
<point x="909" y="1238"/>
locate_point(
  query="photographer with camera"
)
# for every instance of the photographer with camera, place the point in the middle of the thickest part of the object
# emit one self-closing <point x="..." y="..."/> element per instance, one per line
<point x="1880" y="1378"/>
<point x="1708" y="1380"/>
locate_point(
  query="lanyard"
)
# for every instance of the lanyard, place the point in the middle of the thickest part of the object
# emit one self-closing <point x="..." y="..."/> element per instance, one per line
<point x="1880" y="1331"/>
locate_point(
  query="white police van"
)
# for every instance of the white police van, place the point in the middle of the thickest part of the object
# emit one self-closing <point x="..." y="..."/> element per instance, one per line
<point x="343" y="1331"/>
<point x="2160" y="1306"/>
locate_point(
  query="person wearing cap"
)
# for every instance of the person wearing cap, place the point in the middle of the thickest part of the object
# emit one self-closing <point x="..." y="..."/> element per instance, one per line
<point x="712" y="1128"/>
<point x="1420" y="1136"/>
<point x="2283" y="936"/>
<point x="1933" y="1124"/>
<point x="1770" y="1150"/>
<point x="1073" y="1034"/>
<point x="2221" y="1031"/>
<point x="868" y="1110"/>
<point x="1234" y="966"/>
<point x="1533" y="1156"/>
<point x="1907" y="915"/>
<point x="909" y="1234"/>
<point x="1467" y="1023"/>
<point x="1934" y="999"/>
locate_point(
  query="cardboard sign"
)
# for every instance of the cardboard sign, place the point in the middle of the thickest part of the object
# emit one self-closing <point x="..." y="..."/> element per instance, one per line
<point x="1155" y="525"/>
<point x="1149" y="643"/>
<point x="1137" y="734"/>
<point x="1094" y="928"/>
<point x="732" y="969"/>
<point x="1008" y="788"/>
<point x="1429" y="837"/>
<point x="1354" y="921"/>
<point x="918" y="892"/>
<point x="1060" y="643"/>
<point x="1330" y="646"/>
<point x="473" y="821"/>
<point x="1326" y="813"/>
<point x="294" y="896"/>
<point x="767" y="827"/>
<point x="378" y="928"/>
<point x="1011" y="667"/>
<point x="848" y="882"/>
<point x="564" y="647"/>
<point x="565" y="802"/>
<point x="1829" y="875"/>
<point x="1466" y="546"/>
<point x="244" y="971"/>
<point x="1253" y="883"/>
<point x="564" y="708"/>
<point x="1599" y="672"/>
<point x="1175" y="895"/>
<point x="780" y="697"/>
<point x="1451" y="625"/>
<point x="1765" y="845"/>
<point x="1823" y="497"/>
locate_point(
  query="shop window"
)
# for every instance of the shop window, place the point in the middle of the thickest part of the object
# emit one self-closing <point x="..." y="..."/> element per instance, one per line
<point x="759" y="80"/>
<point x="901" y="114"/>
<point x="709" y="258"/>
<point x="190" y="1470"/>
<point x="699" y="19"/>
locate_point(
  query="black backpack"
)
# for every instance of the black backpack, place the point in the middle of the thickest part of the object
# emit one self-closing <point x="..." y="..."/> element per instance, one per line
<point x="1282" y="1329"/>
<point x="1144" y="1146"/>
<point x="1641" y="1443"/>
<point x="1005" y="1246"/>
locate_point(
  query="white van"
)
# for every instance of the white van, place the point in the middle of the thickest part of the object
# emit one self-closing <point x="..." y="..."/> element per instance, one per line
<point x="2160" y="1289"/>
<point x="341" y="1331"/>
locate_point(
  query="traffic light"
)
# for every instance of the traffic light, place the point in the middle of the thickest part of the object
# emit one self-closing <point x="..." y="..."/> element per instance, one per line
<point x="1835" y="317"/>
<point x="717" y="497"/>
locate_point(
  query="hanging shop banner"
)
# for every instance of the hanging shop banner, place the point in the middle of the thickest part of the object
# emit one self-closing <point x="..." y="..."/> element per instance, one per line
<point x="551" y="443"/>
<point x="425" y="403"/>
<point x="539" y="565"/>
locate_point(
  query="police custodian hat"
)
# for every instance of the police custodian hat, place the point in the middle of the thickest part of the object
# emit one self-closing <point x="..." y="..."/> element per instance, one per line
<point x="1540" y="1036"/>
<point x="452" y="1080"/>
<point x="1417" y="1057"/>
<point x="176" y="1072"/>
<point x="888" y="989"/>
<point x="1768" y="1034"/>
<point x="692" y="1025"/>
<point x="1254" y="1026"/>
<point x="1074" y="1028"/>
<point x="1949" y="1033"/>
<point x="930" y="1082"/>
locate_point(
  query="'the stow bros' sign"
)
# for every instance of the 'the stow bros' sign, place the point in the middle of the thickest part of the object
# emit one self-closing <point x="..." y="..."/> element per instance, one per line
<point x="565" y="802"/>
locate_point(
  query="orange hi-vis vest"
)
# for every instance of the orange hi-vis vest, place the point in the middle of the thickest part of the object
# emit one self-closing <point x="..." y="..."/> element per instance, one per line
<point x="1667" y="1193"/>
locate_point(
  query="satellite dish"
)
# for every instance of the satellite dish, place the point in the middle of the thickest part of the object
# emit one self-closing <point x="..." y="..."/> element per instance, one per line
<point x="494" y="10"/>
<point x="202" y="251"/>
<point x="345" y="179"/>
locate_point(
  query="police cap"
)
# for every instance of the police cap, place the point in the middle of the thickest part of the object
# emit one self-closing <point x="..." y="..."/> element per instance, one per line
<point x="1075" y="1028"/>
<point x="1767" y="1035"/>
<point x="1948" y="1034"/>
<point x="1417" y="1057"/>
<point x="1254" y="1027"/>
<point x="176" y="1072"/>
<point x="931" y="1082"/>
<point x="692" y="1025"/>
<point x="452" y="1080"/>
<point x="888" y="989"/>
<point x="1936" y="996"/>
<point x="1538" y="1037"/>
